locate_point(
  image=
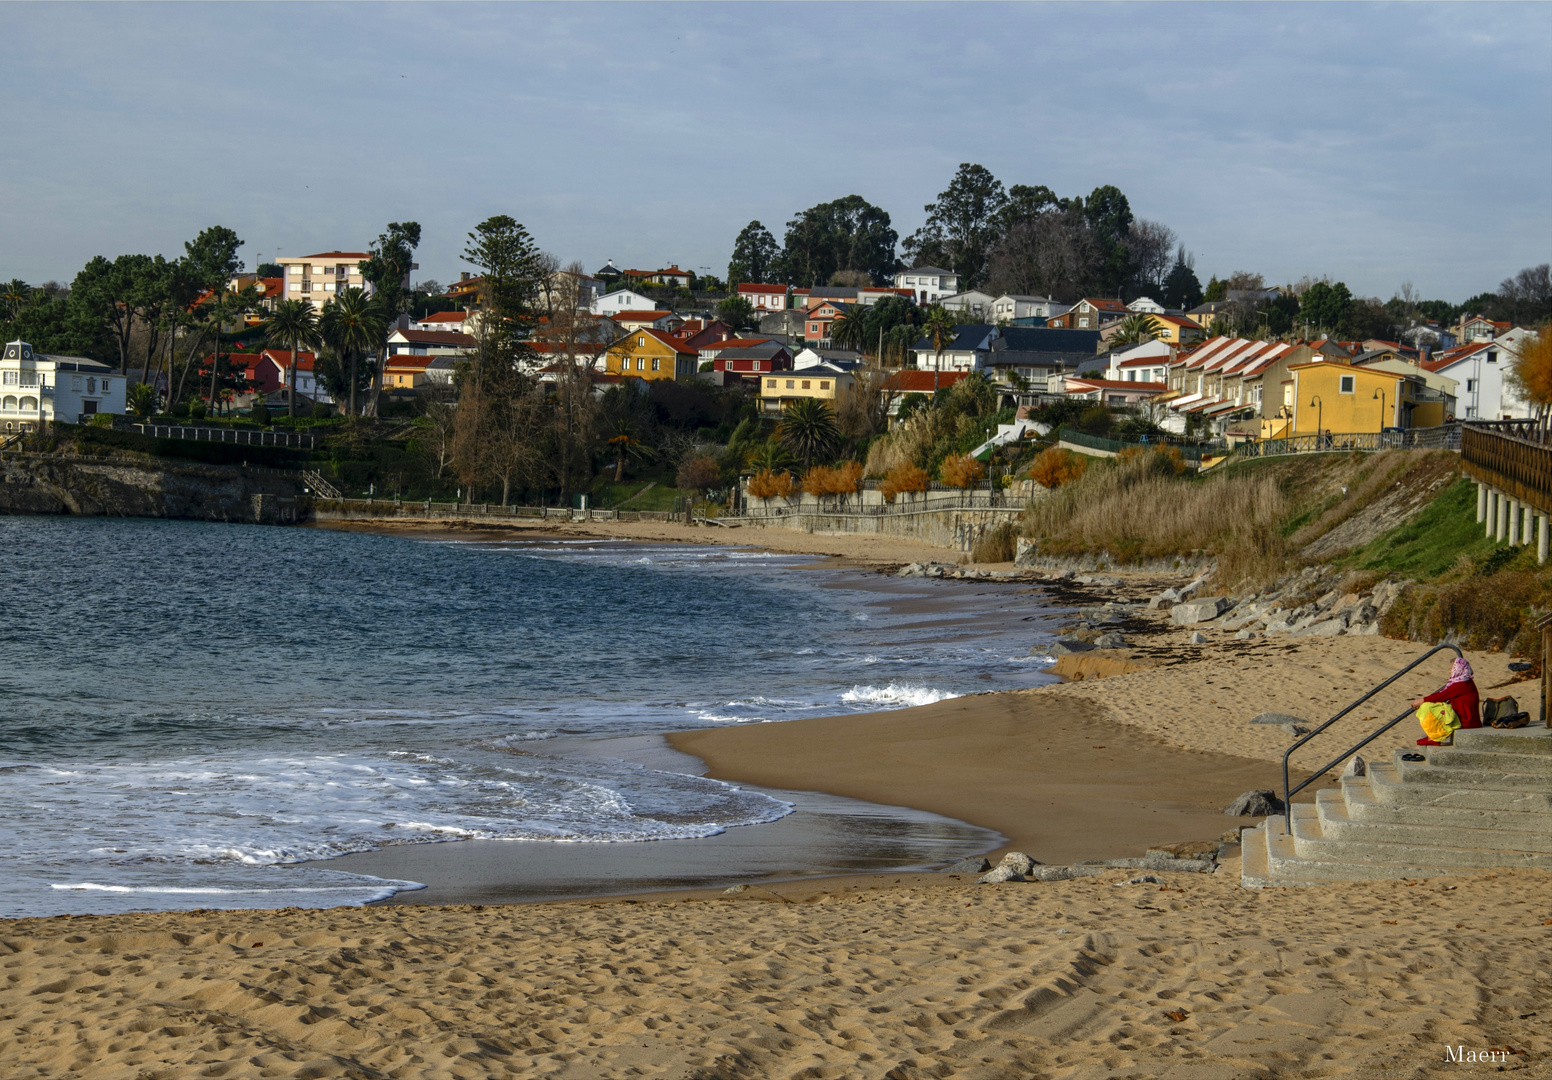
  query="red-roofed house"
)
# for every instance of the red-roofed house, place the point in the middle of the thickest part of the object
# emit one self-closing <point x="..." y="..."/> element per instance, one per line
<point x="1089" y="314"/>
<point x="672" y="276"/>
<point x="651" y="354"/>
<point x="765" y="297"/>
<point x="1112" y="392"/>
<point x="654" y="320"/>
<point x="458" y="322"/>
<point x="306" y="381"/>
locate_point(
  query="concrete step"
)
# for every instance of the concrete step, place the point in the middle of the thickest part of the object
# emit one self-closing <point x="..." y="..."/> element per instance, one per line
<point x="1525" y="740"/>
<point x="1310" y="842"/>
<point x="1488" y="761"/>
<point x="1386" y="783"/>
<point x="1363" y="805"/>
<point x="1338" y="823"/>
<point x="1254" y="872"/>
<point x="1426" y="772"/>
<point x="1285" y="866"/>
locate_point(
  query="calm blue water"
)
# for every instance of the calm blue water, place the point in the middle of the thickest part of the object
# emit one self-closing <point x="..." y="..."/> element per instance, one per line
<point x="189" y="710"/>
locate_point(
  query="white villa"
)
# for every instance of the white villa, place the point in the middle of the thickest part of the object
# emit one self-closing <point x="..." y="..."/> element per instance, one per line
<point x="37" y="388"/>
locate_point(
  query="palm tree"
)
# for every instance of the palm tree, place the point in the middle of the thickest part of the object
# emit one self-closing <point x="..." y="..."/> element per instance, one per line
<point x="625" y="444"/>
<point x="849" y="330"/>
<point x="807" y="429"/>
<point x="294" y="324"/>
<point x="939" y="326"/>
<point x="1133" y="329"/>
<point x="770" y="457"/>
<point x="352" y="323"/>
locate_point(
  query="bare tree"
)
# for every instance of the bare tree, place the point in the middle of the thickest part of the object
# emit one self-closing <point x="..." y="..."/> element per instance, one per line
<point x="435" y="436"/>
<point x="1151" y="248"/>
<point x="1052" y="254"/>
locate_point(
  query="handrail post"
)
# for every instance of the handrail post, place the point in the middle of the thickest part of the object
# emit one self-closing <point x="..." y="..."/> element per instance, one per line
<point x="1289" y="793"/>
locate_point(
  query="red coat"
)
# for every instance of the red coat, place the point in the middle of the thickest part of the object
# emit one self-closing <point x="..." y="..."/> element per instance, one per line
<point x="1462" y="697"/>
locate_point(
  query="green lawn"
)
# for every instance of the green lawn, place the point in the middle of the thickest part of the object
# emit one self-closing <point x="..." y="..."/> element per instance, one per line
<point x="1431" y="543"/>
<point x="606" y="494"/>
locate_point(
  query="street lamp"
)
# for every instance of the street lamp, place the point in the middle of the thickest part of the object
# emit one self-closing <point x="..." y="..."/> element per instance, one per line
<point x="1380" y="395"/>
<point x="1319" y="407"/>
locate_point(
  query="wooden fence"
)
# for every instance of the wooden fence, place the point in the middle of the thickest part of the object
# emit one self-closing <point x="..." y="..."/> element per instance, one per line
<point x="1515" y="458"/>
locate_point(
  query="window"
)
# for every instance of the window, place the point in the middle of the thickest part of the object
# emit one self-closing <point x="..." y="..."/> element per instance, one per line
<point x="8" y="378"/>
<point x="1492" y="357"/>
<point x="770" y="384"/>
<point x="654" y="363"/>
<point x="789" y="384"/>
<point x="806" y="384"/>
<point x="1471" y="386"/>
<point x="1345" y="386"/>
<point x="641" y="363"/>
<point x="824" y="384"/>
<point x="641" y="343"/>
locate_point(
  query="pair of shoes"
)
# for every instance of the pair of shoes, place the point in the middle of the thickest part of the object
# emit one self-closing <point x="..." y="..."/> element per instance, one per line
<point x="1413" y="757"/>
<point x="1428" y="742"/>
<point x="1516" y="720"/>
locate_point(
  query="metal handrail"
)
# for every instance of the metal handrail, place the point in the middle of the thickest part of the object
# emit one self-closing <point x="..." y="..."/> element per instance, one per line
<point x="1289" y="793"/>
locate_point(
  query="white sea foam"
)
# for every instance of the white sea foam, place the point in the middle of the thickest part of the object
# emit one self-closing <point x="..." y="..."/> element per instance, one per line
<point x="895" y="695"/>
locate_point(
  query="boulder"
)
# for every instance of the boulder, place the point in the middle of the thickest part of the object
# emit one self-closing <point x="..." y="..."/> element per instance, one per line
<point x="1111" y="640"/>
<point x="1325" y="628"/>
<point x="1277" y="718"/>
<point x="1167" y="597"/>
<point x="735" y="889"/>
<point x="975" y="864"/>
<point x="1195" y="611"/>
<point x="1143" y="879"/>
<point x="1296" y="731"/>
<point x="1246" y="635"/>
<point x="1188" y="591"/>
<point x="1018" y="861"/>
<point x="909" y="570"/>
<point x="1064" y="873"/>
<point x="1063" y="646"/>
<point x="1261" y="803"/>
<point x="1198" y="638"/>
<point x="998" y="874"/>
<point x="1356" y="766"/>
<point x="1368" y="629"/>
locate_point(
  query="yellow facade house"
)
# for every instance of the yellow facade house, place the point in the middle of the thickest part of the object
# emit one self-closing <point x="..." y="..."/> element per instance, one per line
<point x="822" y="381"/>
<point x="651" y="354"/>
<point x="1342" y="399"/>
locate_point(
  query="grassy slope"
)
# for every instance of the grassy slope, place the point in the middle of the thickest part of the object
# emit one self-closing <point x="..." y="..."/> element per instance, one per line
<point x="1434" y="541"/>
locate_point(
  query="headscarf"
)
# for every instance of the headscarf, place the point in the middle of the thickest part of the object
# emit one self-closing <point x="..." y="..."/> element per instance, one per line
<point x="1460" y="671"/>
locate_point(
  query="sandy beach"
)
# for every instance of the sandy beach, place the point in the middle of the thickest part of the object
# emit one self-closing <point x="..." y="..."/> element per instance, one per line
<point x="889" y="976"/>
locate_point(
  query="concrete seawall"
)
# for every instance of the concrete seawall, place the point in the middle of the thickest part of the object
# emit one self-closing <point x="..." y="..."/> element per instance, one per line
<point x="956" y="528"/>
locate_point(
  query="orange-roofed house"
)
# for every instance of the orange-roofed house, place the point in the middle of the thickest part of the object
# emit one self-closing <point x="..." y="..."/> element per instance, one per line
<point x="1174" y="329"/>
<point x="307" y="385"/>
<point x="651" y="354"/>
<point x="765" y="298"/>
<point x="819" y="321"/>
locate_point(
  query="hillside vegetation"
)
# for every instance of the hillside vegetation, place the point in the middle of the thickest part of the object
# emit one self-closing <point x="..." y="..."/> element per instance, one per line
<point x="1403" y="515"/>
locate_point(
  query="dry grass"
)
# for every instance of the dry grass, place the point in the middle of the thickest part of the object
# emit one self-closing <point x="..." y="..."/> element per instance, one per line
<point x="1138" y="509"/>
<point x="962" y="471"/>
<point x="1054" y="467"/>
<point x="996" y="544"/>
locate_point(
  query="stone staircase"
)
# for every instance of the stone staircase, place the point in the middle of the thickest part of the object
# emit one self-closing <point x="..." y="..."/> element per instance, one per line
<point x="1484" y="802"/>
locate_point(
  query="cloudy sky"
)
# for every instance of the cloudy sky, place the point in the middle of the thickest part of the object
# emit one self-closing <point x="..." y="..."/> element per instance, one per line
<point x="1378" y="144"/>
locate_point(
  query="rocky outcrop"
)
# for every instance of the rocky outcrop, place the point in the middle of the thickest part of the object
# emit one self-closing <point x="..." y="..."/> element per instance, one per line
<point x="109" y="487"/>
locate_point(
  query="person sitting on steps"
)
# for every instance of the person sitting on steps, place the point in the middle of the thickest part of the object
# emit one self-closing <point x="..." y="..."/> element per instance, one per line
<point x="1460" y="694"/>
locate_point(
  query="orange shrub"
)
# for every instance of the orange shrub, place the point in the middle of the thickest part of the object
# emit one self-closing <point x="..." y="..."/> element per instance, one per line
<point x="769" y="484"/>
<point x="842" y="479"/>
<point x="962" y="471"/>
<point x="1054" y="467"/>
<point x="903" y="478"/>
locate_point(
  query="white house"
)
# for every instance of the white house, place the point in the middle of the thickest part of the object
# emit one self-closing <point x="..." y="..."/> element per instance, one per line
<point x="929" y="283"/>
<point x="764" y="298"/>
<point x="319" y="278"/>
<point x="1146" y="305"/>
<point x="611" y="304"/>
<point x="429" y="343"/>
<point x="307" y="386"/>
<point x="972" y="302"/>
<point x="1147" y="362"/>
<point x="1010" y="306"/>
<point x="1479" y="370"/>
<point x="38" y="388"/>
<point x="457" y="322"/>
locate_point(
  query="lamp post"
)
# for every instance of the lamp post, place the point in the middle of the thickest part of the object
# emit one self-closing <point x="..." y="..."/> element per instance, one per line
<point x="1380" y="395"/>
<point x="1320" y="408"/>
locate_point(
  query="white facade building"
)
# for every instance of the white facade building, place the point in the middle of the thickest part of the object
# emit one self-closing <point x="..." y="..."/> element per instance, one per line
<point x="1147" y="361"/>
<point x="611" y="304"/>
<point x="318" y="278"/>
<point x="1145" y="305"/>
<point x="929" y="283"/>
<point x="38" y="388"/>
<point x="1482" y="392"/>
<point x="973" y="302"/>
<point x="1014" y="306"/>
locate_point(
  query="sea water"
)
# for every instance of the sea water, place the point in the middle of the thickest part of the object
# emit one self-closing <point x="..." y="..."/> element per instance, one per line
<point x="188" y="711"/>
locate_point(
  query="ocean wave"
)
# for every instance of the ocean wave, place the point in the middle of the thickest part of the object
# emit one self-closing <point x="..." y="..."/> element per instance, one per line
<point x="896" y="695"/>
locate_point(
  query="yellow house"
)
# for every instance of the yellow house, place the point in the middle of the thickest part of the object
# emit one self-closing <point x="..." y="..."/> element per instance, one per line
<point x="651" y="354"/>
<point x="1174" y="330"/>
<point x="821" y="381"/>
<point x="1343" y="399"/>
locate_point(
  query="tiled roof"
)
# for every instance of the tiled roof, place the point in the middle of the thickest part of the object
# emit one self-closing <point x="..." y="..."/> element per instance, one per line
<point x="763" y="289"/>
<point x="282" y="358"/>
<point x="1118" y="384"/>
<point x="357" y="255"/>
<point x="435" y="337"/>
<point x="445" y="316"/>
<point x="737" y="343"/>
<point x="640" y="316"/>
<point x="919" y="381"/>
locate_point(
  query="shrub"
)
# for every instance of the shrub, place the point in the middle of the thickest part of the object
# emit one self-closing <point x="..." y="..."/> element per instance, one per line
<point x="197" y="410"/>
<point x="769" y="484"/>
<point x="1055" y="466"/>
<point x="996" y="544"/>
<point x="1158" y="460"/>
<point x="842" y="479"/>
<point x="699" y="473"/>
<point x="901" y="479"/>
<point x="260" y="413"/>
<point x="962" y="471"/>
<point x="101" y="419"/>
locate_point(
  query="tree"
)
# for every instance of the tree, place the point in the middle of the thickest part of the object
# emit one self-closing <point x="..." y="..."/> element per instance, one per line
<point x="624" y="445"/>
<point x="1149" y="246"/>
<point x="141" y="399"/>
<point x="736" y="311"/>
<point x="1053" y="254"/>
<point x="573" y="409"/>
<point x="962" y="225"/>
<point x="940" y="327"/>
<point x="1524" y="299"/>
<point x="15" y="295"/>
<point x="1322" y="305"/>
<point x="352" y="325"/>
<point x="1026" y="204"/>
<point x="106" y="291"/>
<point x="1182" y="290"/>
<point x="1133" y="329"/>
<point x="1530" y="372"/>
<point x="699" y="474"/>
<point x="851" y="328"/>
<point x="212" y="257"/>
<point x="755" y="254"/>
<point x="807" y="430"/>
<point x="1216" y="291"/>
<point x="433" y="437"/>
<point x="894" y="324"/>
<point x="293" y="325"/>
<point x="387" y="270"/>
<point x="961" y="471"/>
<point x="1109" y="216"/>
<point x="847" y="234"/>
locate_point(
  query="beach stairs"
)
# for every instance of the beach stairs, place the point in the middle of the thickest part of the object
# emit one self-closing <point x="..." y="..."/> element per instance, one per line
<point x="1483" y="803"/>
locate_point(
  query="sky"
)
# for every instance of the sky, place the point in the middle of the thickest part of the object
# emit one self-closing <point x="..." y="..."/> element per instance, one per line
<point x="1378" y="144"/>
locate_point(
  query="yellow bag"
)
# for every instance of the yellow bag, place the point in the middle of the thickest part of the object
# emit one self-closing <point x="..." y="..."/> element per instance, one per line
<point x="1438" y="719"/>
